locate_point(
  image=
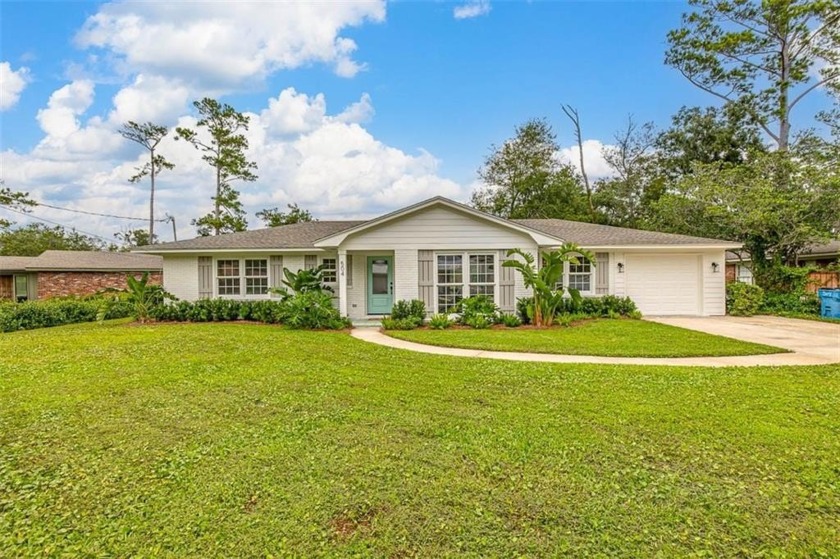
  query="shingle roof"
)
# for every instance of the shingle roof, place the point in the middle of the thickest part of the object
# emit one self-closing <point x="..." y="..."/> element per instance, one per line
<point x="15" y="263"/>
<point x="593" y="234"/>
<point x="830" y="248"/>
<point x="298" y="235"/>
<point x="80" y="260"/>
<point x="304" y="235"/>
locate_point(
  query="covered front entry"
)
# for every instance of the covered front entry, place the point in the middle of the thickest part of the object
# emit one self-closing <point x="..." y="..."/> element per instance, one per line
<point x="380" y="284"/>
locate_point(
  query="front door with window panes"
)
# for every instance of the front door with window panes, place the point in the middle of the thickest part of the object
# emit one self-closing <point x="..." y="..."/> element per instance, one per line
<point x="380" y="291"/>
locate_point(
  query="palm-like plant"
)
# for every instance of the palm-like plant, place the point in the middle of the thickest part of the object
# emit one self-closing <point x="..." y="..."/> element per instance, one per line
<point x="140" y="294"/>
<point x="543" y="280"/>
<point x="304" y="281"/>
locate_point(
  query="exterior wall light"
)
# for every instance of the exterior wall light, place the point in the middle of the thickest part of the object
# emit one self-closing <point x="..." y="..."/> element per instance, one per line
<point x="621" y="267"/>
<point x="715" y="267"/>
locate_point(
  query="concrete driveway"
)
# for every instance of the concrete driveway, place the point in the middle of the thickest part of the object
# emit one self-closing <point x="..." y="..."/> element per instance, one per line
<point x="812" y="342"/>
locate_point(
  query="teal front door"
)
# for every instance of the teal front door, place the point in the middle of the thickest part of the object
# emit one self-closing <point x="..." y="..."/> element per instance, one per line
<point x="380" y="284"/>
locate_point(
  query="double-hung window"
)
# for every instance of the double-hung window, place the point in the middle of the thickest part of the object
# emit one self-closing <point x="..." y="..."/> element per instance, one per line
<point x="236" y="277"/>
<point x="743" y="274"/>
<point x="330" y="267"/>
<point x="256" y="277"/>
<point x="462" y="275"/>
<point x="580" y="276"/>
<point x="227" y="273"/>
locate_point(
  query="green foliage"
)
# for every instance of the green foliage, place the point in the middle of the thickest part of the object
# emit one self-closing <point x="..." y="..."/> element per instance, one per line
<point x="523" y="178"/>
<point x="743" y="299"/>
<point x="547" y="299"/>
<point x="15" y="200"/>
<point x="407" y="323"/>
<point x="525" y="309"/>
<point x="35" y="238"/>
<point x="607" y="306"/>
<point x="779" y="278"/>
<point x="477" y="321"/>
<point x="440" y="322"/>
<point x="764" y="56"/>
<point x="510" y="320"/>
<point x="313" y="310"/>
<point x="225" y="152"/>
<point x="303" y="281"/>
<point x="273" y="217"/>
<point x="478" y="309"/>
<point x="791" y="304"/>
<point x="414" y="309"/>
<point x="47" y="313"/>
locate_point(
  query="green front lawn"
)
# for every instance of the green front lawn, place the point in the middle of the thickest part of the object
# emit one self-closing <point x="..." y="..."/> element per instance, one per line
<point x="606" y="337"/>
<point x="235" y="440"/>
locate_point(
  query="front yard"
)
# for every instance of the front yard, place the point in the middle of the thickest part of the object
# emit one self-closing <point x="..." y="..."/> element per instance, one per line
<point x="604" y="337"/>
<point x="238" y="440"/>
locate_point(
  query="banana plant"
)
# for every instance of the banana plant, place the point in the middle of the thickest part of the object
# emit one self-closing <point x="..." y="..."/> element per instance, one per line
<point x="303" y="281"/>
<point x="140" y="294"/>
<point x="543" y="280"/>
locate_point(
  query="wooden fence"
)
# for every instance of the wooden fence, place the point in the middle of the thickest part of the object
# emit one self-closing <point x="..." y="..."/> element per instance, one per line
<point x="823" y="278"/>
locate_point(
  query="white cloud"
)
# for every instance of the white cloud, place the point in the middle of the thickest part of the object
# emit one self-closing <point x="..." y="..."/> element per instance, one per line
<point x="12" y="84"/>
<point x="327" y="163"/>
<point x="471" y="9"/>
<point x="225" y="45"/>
<point x="150" y="98"/>
<point x="593" y="158"/>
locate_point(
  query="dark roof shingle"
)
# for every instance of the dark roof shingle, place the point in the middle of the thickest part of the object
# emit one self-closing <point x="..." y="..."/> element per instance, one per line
<point x="594" y="234"/>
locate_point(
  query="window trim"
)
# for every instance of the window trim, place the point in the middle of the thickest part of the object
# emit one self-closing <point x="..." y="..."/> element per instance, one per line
<point x="242" y="277"/>
<point x="567" y="274"/>
<point x="465" y="273"/>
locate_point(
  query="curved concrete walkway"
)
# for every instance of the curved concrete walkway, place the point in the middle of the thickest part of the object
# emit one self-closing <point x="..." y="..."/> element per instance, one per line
<point x="820" y="346"/>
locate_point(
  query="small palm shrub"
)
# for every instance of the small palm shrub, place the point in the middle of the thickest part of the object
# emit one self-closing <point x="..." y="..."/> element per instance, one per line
<point x="510" y="320"/>
<point x="478" y="321"/>
<point x="313" y="310"/>
<point x="743" y="299"/>
<point x="440" y="322"/>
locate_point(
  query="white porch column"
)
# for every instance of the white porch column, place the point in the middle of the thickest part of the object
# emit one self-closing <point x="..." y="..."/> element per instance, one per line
<point x="342" y="282"/>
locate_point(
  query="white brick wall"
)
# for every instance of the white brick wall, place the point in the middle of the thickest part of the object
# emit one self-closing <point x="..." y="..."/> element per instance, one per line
<point x="405" y="274"/>
<point x="180" y="276"/>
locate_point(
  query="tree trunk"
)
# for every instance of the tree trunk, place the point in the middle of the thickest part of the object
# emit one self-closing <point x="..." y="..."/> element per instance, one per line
<point x="217" y="212"/>
<point x="784" y="91"/>
<point x="152" y="199"/>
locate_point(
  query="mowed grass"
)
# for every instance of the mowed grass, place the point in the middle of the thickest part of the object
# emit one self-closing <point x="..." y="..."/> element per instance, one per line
<point x="604" y="337"/>
<point x="226" y="440"/>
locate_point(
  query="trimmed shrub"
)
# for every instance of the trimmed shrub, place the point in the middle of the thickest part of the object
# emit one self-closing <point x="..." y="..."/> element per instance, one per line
<point x="606" y="306"/>
<point x="414" y="309"/>
<point x="510" y="320"/>
<point x="312" y="310"/>
<point x="47" y="313"/>
<point x="477" y="309"/>
<point x="390" y="323"/>
<point x="743" y="299"/>
<point x="440" y="322"/>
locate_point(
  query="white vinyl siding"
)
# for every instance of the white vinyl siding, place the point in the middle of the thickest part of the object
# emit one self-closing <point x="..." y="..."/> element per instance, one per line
<point x="438" y="229"/>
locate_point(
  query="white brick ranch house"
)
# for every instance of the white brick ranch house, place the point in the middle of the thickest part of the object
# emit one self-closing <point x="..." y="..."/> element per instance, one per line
<point x="440" y="251"/>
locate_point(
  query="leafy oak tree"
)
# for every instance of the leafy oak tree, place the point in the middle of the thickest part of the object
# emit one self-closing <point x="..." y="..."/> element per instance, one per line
<point x="273" y="217"/>
<point x="523" y="179"/>
<point x="225" y="152"/>
<point x="148" y="135"/>
<point x="765" y="56"/>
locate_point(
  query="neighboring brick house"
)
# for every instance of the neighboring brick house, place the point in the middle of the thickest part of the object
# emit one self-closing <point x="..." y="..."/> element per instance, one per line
<point x="60" y="273"/>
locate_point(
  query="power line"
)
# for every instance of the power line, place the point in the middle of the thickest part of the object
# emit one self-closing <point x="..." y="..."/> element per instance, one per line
<point x="99" y="214"/>
<point x="88" y="233"/>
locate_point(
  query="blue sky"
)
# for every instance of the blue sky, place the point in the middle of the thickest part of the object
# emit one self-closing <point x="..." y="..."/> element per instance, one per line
<point x="428" y="94"/>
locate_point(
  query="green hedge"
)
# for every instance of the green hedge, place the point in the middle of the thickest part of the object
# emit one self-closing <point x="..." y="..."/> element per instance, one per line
<point x="607" y="306"/>
<point x="30" y="315"/>
<point x="309" y="310"/>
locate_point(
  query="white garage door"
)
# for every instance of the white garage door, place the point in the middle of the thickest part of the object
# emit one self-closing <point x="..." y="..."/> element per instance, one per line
<point x="664" y="284"/>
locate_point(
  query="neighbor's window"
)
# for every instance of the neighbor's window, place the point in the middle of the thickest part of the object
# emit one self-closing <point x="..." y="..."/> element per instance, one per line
<point x="580" y="276"/>
<point x="450" y="280"/>
<point x="227" y="273"/>
<point x="482" y="275"/>
<point x="256" y="277"/>
<point x="329" y="273"/>
<point x="744" y="274"/>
